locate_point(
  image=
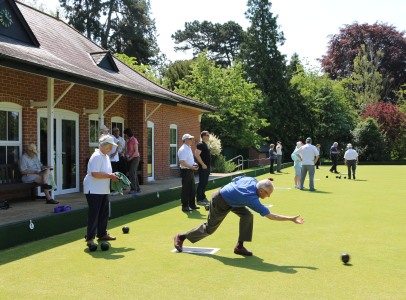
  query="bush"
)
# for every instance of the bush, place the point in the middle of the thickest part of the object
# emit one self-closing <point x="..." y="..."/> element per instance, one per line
<point x="369" y="141"/>
<point x="220" y="165"/>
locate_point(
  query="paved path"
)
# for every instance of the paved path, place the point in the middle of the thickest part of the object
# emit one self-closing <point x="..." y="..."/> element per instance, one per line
<point x="26" y="210"/>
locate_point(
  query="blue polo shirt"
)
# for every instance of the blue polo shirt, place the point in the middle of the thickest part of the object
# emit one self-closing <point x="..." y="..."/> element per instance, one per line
<point x="242" y="191"/>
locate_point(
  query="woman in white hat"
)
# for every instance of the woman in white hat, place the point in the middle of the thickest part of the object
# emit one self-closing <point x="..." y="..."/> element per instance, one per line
<point x="96" y="187"/>
<point x="33" y="171"/>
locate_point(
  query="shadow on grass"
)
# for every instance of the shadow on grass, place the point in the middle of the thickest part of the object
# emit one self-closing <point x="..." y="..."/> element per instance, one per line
<point x="316" y="191"/>
<point x="256" y="263"/>
<point x="113" y="253"/>
<point x="33" y="248"/>
<point x="196" y="215"/>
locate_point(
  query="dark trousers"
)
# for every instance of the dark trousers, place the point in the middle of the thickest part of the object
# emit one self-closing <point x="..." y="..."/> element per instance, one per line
<point x="218" y="211"/>
<point x="132" y="173"/>
<point x="114" y="166"/>
<point x="272" y="162"/>
<point x="98" y="215"/>
<point x="351" y="165"/>
<point x="334" y="166"/>
<point x="188" y="188"/>
<point x="122" y="165"/>
<point x="203" y="180"/>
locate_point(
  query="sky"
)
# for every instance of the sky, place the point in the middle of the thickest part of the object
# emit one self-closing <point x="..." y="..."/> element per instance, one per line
<point x="306" y="24"/>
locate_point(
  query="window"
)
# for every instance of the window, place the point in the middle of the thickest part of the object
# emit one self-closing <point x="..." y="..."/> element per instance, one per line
<point x="119" y="123"/>
<point x="173" y="145"/>
<point x="93" y="133"/>
<point x="10" y="133"/>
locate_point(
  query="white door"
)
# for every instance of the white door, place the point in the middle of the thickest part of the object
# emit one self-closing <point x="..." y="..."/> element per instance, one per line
<point x="66" y="147"/>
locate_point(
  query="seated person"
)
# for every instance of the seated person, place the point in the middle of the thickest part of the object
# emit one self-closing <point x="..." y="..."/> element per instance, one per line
<point x="33" y="171"/>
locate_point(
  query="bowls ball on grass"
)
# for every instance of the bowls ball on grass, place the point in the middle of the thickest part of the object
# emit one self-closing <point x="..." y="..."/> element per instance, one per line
<point x="105" y="246"/>
<point x="345" y="258"/>
<point x="92" y="247"/>
<point x="126" y="229"/>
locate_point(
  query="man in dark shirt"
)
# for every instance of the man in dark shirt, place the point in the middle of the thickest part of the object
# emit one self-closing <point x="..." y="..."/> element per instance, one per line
<point x="202" y="155"/>
<point x="334" y="157"/>
<point x="236" y="196"/>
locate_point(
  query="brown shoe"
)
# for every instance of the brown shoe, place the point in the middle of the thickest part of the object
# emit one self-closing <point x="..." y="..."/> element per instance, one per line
<point x="178" y="243"/>
<point x="242" y="251"/>
<point x="107" y="237"/>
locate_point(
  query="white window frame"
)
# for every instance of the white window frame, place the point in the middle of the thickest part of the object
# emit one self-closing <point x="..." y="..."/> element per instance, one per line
<point x="93" y="117"/>
<point x="173" y="126"/>
<point x="9" y="106"/>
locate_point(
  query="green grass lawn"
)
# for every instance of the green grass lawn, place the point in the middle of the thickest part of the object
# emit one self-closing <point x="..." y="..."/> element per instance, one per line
<point x="364" y="217"/>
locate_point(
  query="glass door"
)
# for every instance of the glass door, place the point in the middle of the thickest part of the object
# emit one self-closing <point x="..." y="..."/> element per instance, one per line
<point x="66" y="154"/>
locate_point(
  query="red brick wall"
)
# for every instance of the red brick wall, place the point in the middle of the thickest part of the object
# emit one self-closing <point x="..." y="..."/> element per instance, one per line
<point x="20" y="87"/>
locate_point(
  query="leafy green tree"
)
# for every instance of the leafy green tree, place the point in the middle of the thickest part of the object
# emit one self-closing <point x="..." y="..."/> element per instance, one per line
<point x="221" y="41"/>
<point x="344" y="47"/>
<point x="366" y="80"/>
<point x="328" y="113"/>
<point x="175" y="72"/>
<point x="265" y="65"/>
<point x="369" y="141"/>
<point x="123" y="26"/>
<point x="236" y="120"/>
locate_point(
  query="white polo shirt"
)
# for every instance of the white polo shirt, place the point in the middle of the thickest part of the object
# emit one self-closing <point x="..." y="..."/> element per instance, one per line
<point x="308" y="152"/>
<point x="185" y="153"/>
<point x="350" y="154"/>
<point x="98" y="163"/>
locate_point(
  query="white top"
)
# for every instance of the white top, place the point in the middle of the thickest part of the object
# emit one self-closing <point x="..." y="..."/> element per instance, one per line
<point x="308" y="152"/>
<point x="350" y="154"/>
<point x="278" y="150"/>
<point x="98" y="163"/>
<point x="122" y="141"/>
<point x="185" y="153"/>
<point x="115" y="157"/>
<point x="28" y="163"/>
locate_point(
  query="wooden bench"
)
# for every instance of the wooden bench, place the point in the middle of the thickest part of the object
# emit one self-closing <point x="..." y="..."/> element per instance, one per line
<point x="11" y="186"/>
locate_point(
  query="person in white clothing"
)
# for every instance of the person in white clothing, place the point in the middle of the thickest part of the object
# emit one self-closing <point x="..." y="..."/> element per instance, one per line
<point x="351" y="160"/>
<point x="96" y="187"/>
<point x="309" y="155"/>
<point x="297" y="165"/>
<point x="187" y="168"/>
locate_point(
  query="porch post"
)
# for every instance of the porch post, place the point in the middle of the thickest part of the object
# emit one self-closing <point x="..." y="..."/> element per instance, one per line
<point x="50" y="114"/>
<point x="100" y="107"/>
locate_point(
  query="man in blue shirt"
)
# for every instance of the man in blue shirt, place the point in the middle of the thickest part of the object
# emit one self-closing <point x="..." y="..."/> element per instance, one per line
<point x="334" y="157"/>
<point x="236" y="196"/>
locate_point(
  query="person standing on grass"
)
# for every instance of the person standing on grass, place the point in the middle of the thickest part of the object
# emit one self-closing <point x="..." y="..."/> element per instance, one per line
<point x="319" y="160"/>
<point x="310" y="155"/>
<point x="279" y="157"/>
<point x="202" y="155"/>
<point x="272" y="158"/>
<point x="334" y="157"/>
<point x="187" y="172"/>
<point x="351" y="160"/>
<point x="96" y="187"/>
<point x="235" y="197"/>
<point x="297" y="164"/>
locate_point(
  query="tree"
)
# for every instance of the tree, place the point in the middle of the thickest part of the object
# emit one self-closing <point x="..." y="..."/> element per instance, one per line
<point x="175" y="72"/>
<point x="236" y="120"/>
<point x="265" y="65"/>
<point x="369" y="142"/>
<point x="221" y="41"/>
<point x="345" y="46"/>
<point x="123" y="26"/>
<point x="392" y="125"/>
<point x="366" y="80"/>
<point x="327" y="113"/>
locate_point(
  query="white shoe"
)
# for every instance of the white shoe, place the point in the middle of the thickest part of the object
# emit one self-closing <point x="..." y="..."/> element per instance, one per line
<point x="114" y="193"/>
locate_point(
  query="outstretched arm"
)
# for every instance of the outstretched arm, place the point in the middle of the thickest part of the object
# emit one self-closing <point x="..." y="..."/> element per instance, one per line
<point x="295" y="219"/>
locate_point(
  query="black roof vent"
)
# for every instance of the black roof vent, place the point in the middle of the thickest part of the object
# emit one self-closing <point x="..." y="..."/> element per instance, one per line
<point x="13" y="24"/>
<point x="104" y="60"/>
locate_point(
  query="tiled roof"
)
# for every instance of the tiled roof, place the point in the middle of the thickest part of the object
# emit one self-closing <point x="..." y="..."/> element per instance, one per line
<point x="66" y="54"/>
